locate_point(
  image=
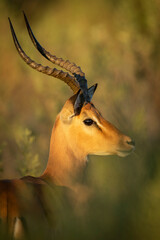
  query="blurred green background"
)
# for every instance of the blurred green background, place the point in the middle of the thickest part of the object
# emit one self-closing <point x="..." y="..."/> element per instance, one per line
<point x="117" y="45"/>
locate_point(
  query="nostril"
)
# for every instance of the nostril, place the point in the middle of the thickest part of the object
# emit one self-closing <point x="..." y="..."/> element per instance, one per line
<point x="131" y="142"/>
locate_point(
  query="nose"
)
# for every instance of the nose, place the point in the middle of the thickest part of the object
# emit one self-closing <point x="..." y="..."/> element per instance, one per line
<point x="129" y="141"/>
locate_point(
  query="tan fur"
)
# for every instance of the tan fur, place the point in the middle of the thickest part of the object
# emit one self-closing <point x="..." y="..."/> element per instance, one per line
<point x="71" y="142"/>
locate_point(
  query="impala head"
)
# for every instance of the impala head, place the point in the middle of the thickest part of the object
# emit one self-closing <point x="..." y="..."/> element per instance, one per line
<point x="91" y="132"/>
<point x="84" y="127"/>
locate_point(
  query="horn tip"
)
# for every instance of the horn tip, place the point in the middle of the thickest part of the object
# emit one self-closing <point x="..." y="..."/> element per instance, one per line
<point x="9" y="20"/>
<point x="24" y="14"/>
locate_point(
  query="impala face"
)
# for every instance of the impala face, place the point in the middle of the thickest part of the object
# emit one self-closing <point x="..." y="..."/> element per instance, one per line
<point x="93" y="134"/>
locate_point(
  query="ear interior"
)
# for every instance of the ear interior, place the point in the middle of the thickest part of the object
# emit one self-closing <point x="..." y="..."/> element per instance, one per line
<point x="66" y="116"/>
<point x="67" y="111"/>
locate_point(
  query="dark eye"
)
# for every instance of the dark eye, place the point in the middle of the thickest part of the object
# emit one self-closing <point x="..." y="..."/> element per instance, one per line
<point x="88" y="122"/>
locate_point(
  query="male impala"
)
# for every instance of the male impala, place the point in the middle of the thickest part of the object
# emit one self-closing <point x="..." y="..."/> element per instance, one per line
<point x="79" y="130"/>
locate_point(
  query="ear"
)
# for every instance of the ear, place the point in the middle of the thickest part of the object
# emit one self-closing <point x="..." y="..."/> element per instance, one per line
<point x="79" y="102"/>
<point x="91" y="91"/>
<point x="66" y="116"/>
<point x="67" y="112"/>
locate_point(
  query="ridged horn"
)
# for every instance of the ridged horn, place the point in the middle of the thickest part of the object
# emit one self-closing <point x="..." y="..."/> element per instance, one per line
<point x="64" y="76"/>
<point x="65" y="64"/>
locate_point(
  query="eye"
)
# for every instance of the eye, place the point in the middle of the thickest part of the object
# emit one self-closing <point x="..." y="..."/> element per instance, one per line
<point x="88" y="121"/>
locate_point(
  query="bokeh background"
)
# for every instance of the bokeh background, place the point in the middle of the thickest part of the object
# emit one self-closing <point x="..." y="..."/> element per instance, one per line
<point x="117" y="44"/>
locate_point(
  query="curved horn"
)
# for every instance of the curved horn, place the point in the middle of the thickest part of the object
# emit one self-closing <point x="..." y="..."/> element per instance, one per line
<point x="66" y="64"/>
<point x="64" y="76"/>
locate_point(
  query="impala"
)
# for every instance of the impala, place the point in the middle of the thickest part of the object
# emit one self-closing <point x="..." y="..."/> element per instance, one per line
<point x="79" y="130"/>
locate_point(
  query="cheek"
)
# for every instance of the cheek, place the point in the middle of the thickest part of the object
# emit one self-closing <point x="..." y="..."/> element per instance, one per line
<point x="90" y="139"/>
<point x="83" y="137"/>
<point x="102" y="141"/>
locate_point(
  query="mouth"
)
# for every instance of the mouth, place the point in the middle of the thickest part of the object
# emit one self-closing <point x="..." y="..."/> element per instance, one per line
<point x="127" y="147"/>
<point x="124" y="153"/>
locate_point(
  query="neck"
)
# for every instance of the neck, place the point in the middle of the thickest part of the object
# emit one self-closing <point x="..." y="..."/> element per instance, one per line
<point x="66" y="164"/>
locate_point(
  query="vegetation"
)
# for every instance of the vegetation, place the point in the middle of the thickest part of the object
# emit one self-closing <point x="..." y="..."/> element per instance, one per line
<point x="29" y="164"/>
<point x="117" y="44"/>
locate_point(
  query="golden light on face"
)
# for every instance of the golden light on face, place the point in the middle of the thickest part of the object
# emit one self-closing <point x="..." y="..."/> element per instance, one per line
<point x="94" y="135"/>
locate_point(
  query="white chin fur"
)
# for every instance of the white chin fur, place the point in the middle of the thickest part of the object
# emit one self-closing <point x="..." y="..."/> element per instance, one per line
<point x="102" y="153"/>
<point x="123" y="154"/>
<point x="119" y="153"/>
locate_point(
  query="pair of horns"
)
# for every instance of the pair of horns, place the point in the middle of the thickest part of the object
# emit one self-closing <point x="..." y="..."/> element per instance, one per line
<point x="76" y="80"/>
